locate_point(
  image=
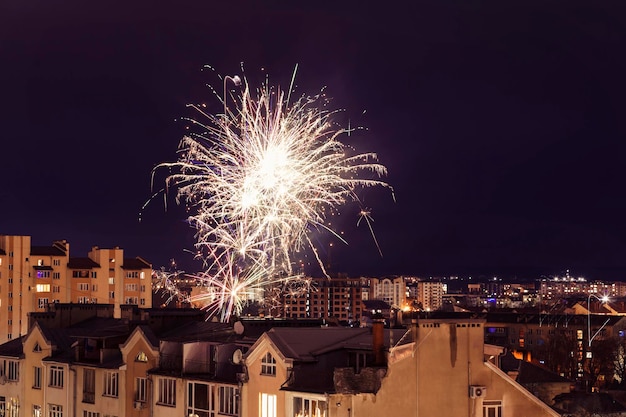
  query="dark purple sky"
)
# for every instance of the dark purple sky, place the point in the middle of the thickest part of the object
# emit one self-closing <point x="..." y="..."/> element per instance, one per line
<point x="502" y="123"/>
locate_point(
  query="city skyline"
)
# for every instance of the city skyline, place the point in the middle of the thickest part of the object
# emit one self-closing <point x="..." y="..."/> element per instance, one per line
<point x="500" y="125"/>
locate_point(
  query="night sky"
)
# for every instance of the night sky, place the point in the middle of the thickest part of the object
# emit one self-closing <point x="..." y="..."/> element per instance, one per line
<point x="502" y="124"/>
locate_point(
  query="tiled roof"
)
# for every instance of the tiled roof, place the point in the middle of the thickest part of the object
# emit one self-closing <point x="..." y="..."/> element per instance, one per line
<point x="529" y="373"/>
<point x="82" y="263"/>
<point x="201" y="331"/>
<point x="303" y="344"/>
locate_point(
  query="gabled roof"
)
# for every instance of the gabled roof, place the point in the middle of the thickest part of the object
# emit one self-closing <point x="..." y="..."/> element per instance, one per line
<point x="303" y="344"/>
<point x="529" y="373"/>
<point x="82" y="263"/>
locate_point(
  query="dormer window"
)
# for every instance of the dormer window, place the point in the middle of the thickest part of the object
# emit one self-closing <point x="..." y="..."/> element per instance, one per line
<point x="141" y="357"/>
<point x="268" y="365"/>
<point x="37" y="348"/>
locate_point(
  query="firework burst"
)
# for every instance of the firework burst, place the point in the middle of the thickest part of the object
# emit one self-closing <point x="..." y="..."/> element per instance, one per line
<point x="259" y="179"/>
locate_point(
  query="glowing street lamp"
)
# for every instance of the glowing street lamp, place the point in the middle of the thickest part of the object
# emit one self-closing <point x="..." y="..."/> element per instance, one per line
<point x="604" y="299"/>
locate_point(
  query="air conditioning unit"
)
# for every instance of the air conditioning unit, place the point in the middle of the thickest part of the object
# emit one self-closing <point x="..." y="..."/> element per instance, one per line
<point x="477" y="391"/>
<point x="138" y="405"/>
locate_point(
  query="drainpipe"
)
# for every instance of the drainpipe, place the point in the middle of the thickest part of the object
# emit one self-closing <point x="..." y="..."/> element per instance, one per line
<point x="73" y="405"/>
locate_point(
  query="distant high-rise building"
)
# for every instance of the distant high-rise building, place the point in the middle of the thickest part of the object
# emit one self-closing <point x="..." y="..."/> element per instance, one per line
<point x="31" y="277"/>
<point x="393" y="291"/>
<point x="430" y="294"/>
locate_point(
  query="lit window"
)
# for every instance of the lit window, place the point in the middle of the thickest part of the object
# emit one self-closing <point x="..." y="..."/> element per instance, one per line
<point x="267" y="405"/>
<point x="141" y="357"/>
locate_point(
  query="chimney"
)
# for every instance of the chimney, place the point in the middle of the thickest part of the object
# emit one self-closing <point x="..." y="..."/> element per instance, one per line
<point x="378" y="344"/>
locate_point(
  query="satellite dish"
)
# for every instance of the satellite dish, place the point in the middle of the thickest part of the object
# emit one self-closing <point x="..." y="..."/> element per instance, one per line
<point x="237" y="356"/>
<point x="238" y="327"/>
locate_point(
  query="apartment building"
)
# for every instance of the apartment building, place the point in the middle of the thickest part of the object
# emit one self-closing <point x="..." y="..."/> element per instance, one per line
<point x="337" y="298"/>
<point x="393" y="291"/>
<point x="430" y="294"/>
<point x="32" y="277"/>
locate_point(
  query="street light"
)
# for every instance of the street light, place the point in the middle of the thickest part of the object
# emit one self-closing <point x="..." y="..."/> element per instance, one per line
<point x="235" y="80"/>
<point x="604" y="299"/>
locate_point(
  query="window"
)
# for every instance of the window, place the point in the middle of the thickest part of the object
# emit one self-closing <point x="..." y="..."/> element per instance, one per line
<point x="56" y="376"/>
<point x="36" y="377"/>
<point x="142" y="301"/>
<point x="43" y="274"/>
<point x="94" y="287"/>
<point x="89" y="385"/>
<point x="267" y="404"/>
<point x="56" y="288"/>
<point x="201" y="399"/>
<point x="83" y="300"/>
<point x="80" y="274"/>
<point x="42" y="302"/>
<point x="141" y="357"/>
<point x="111" y="384"/>
<point x="56" y="275"/>
<point x="229" y="400"/>
<point x="90" y="413"/>
<point x="492" y="408"/>
<point x="141" y="387"/>
<point x="132" y="274"/>
<point x="131" y="287"/>
<point x="11" y="369"/>
<point x="36" y="410"/>
<point x="111" y="294"/>
<point x="83" y="287"/>
<point x="94" y="274"/>
<point x="56" y="262"/>
<point x="308" y="407"/>
<point x="131" y="300"/>
<point x="111" y="281"/>
<point x="36" y="348"/>
<point x="268" y="365"/>
<point x="42" y="288"/>
<point x="167" y="391"/>
<point x="55" y="410"/>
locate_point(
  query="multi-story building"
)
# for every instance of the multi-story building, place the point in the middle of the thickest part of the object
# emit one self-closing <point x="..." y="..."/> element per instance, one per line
<point x="393" y="291"/>
<point x="32" y="277"/>
<point x="339" y="298"/>
<point x="430" y="294"/>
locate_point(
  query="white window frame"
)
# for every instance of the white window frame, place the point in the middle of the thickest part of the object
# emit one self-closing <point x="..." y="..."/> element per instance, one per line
<point x="167" y="392"/>
<point x="56" y="375"/>
<point x="268" y="365"/>
<point x="111" y="384"/>
<point x="37" y="374"/>
<point x="141" y="389"/>
<point x="267" y="405"/>
<point x="55" y="410"/>
<point x="228" y="400"/>
<point x="492" y="408"/>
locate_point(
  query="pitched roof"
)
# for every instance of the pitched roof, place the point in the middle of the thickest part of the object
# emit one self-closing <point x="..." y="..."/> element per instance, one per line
<point x="529" y="373"/>
<point x="135" y="263"/>
<point x="82" y="263"/>
<point x="13" y="348"/>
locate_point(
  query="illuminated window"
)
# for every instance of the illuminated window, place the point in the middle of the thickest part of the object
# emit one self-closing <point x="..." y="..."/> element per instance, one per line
<point x="308" y="407"/>
<point x="268" y="365"/>
<point x="141" y="357"/>
<point x="42" y="288"/>
<point x="267" y="403"/>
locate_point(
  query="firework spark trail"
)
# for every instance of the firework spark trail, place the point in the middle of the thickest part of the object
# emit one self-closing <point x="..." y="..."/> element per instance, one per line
<point x="260" y="178"/>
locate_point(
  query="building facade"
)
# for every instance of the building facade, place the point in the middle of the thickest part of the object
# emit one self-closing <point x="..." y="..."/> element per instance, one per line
<point x="32" y="277"/>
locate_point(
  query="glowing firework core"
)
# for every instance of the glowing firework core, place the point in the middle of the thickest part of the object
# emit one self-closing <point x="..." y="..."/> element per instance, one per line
<point x="258" y="181"/>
